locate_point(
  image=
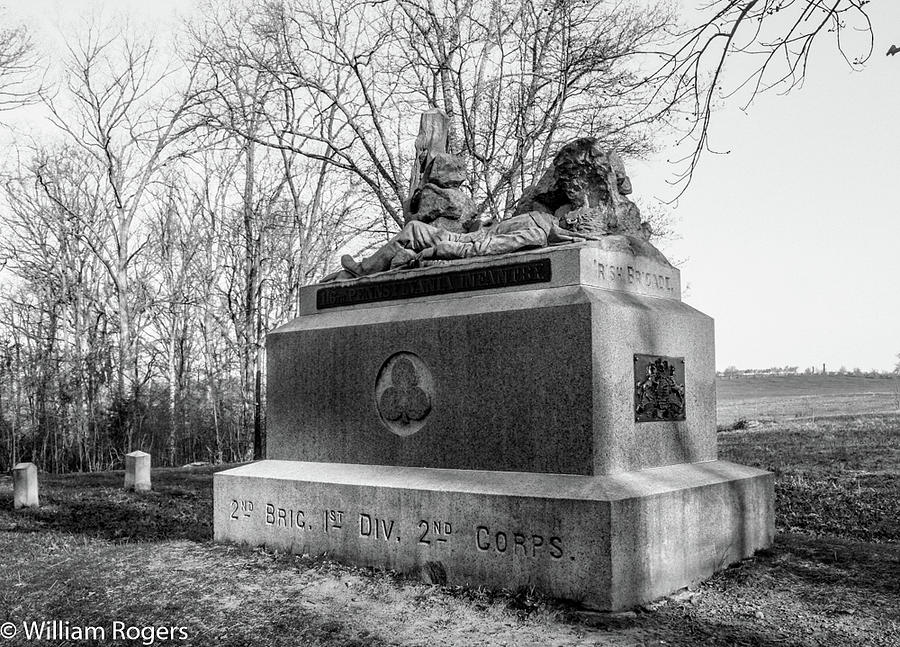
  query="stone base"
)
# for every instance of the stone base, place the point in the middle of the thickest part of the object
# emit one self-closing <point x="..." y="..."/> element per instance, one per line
<point x="610" y="542"/>
<point x="530" y="378"/>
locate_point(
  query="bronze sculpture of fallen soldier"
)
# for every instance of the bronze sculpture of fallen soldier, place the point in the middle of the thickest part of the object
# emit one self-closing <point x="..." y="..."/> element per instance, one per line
<point x="418" y="242"/>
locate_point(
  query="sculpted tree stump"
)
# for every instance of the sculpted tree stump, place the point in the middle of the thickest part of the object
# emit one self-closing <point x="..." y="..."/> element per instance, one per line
<point x="435" y="196"/>
<point x="434" y="129"/>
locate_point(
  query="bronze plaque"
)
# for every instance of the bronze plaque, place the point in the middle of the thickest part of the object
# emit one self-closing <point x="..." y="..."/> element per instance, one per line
<point x="476" y="278"/>
<point x="658" y="388"/>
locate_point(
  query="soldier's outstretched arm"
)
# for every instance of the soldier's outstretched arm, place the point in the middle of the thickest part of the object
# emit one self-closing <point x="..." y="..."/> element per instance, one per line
<point x="558" y="235"/>
<point x="419" y="236"/>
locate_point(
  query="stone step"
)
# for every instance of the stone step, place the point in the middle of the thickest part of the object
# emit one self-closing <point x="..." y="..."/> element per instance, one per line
<point x="610" y="542"/>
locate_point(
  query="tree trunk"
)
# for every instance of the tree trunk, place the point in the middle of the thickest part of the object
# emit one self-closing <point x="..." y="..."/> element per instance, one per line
<point x="173" y="417"/>
<point x="251" y="282"/>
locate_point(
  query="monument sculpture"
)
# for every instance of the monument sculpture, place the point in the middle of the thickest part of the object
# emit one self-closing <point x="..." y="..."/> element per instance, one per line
<point x="537" y="410"/>
<point x="439" y="200"/>
<point x="418" y="242"/>
<point x="580" y="196"/>
<point x="435" y="196"/>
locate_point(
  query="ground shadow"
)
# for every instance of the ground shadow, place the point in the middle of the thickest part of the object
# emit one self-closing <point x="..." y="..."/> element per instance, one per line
<point x="96" y="505"/>
<point x="834" y="562"/>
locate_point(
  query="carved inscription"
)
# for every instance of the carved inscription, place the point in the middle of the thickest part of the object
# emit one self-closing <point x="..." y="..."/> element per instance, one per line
<point x="332" y="520"/>
<point x="434" y="531"/>
<point x="477" y="278"/>
<point x="285" y="517"/>
<point x="241" y="509"/>
<point x="372" y="526"/>
<point x="514" y="543"/>
<point x="427" y="535"/>
<point x="622" y="275"/>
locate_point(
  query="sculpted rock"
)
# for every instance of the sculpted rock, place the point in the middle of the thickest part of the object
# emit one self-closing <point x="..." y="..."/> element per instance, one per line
<point x="447" y="208"/>
<point x="586" y="187"/>
<point x="437" y="199"/>
<point x="446" y="171"/>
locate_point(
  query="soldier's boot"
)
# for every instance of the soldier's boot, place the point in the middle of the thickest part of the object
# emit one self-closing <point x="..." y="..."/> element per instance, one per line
<point x="340" y="275"/>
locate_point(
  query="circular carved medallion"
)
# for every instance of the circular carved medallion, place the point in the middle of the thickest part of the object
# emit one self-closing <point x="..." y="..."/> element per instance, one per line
<point x="404" y="393"/>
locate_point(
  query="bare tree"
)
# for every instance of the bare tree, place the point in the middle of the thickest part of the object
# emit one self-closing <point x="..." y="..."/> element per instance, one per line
<point x="767" y="42"/>
<point x="19" y="67"/>
<point x="175" y="275"/>
<point x="61" y="281"/>
<point x="519" y="79"/>
<point x="294" y="211"/>
<point x="148" y="251"/>
<point x="347" y="79"/>
<point x="112" y="109"/>
<point x="218" y="171"/>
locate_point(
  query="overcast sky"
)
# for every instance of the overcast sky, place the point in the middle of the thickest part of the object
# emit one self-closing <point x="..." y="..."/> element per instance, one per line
<point x="791" y="241"/>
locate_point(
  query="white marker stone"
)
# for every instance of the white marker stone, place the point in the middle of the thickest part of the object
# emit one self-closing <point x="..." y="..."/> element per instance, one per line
<point x="137" y="471"/>
<point x="25" y="486"/>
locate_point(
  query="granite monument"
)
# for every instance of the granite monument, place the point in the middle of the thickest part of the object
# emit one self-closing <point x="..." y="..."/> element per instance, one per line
<point x="536" y="411"/>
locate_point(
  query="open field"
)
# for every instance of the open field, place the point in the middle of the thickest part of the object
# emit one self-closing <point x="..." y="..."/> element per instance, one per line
<point x="94" y="554"/>
<point x="769" y="398"/>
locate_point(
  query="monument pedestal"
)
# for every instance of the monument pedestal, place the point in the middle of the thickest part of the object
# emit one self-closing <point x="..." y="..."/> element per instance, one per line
<point x="544" y="419"/>
<point x="611" y="542"/>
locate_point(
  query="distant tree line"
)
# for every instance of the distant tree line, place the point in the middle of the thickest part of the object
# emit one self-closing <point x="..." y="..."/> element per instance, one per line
<point x="733" y="371"/>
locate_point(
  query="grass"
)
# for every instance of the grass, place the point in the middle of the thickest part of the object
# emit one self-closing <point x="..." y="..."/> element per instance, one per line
<point x="94" y="554"/>
<point x="773" y="398"/>
<point x="836" y="477"/>
<point x="762" y="387"/>
<point x="96" y="506"/>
